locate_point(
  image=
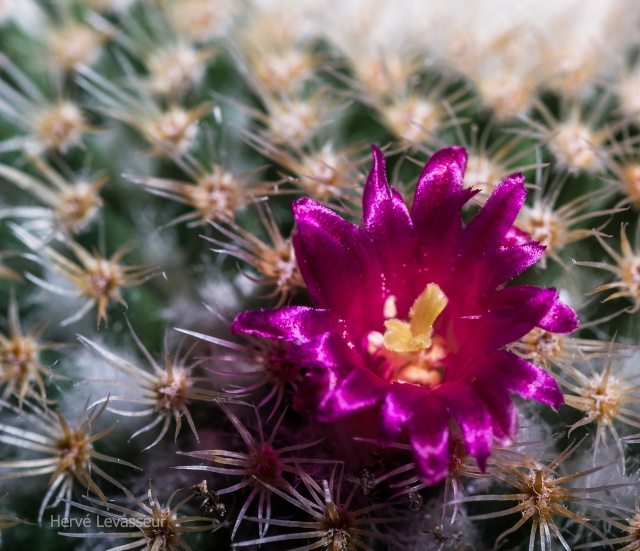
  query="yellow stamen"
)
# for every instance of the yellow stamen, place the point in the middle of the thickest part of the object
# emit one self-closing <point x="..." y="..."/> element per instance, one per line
<point x="406" y="337"/>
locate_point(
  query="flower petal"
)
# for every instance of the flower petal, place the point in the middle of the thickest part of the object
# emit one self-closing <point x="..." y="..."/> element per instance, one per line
<point x="360" y="389"/>
<point x="386" y="219"/>
<point x="438" y="199"/>
<point x="430" y="440"/>
<point x="502" y="411"/>
<point x="505" y="263"/>
<point x="516" y="375"/>
<point x="292" y="323"/>
<point x="510" y="314"/>
<point x="336" y="381"/>
<point x="467" y="407"/>
<point x="516" y="236"/>
<point x="561" y="318"/>
<point x="491" y="225"/>
<point x="329" y="350"/>
<point x="339" y="265"/>
<point x="400" y="404"/>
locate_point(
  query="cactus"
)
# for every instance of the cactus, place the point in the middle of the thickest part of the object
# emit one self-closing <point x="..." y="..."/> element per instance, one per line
<point x="428" y="347"/>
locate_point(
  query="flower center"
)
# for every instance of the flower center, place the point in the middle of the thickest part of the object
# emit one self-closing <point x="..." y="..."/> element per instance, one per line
<point x="414" y="336"/>
<point x="411" y="352"/>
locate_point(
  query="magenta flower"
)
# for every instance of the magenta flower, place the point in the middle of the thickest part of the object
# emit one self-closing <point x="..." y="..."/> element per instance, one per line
<point x="412" y="317"/>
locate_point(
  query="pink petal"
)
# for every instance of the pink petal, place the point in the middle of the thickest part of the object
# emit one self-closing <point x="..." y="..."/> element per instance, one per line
<point x="330" y="350"/>
<point x="510" y="314"/>
<point x="386" y="219"/>
<point x="516" y="375"/>
<point x="491" y="225"/>
<point x="430" y="440"/>
<point x="292" y="323"/>
<point x="340" y="266"/>
<point x="438" y="199"/>
<point x="505" y="263"/>
<point x="467" y="407"/>
<point x="516" y="236"/>
<point x="501" y="408"/>
<point x="329" y="363"/>
<point x="560" y="319"/>
<point x="355" y="389"/>
<point x="401" y="403"/>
